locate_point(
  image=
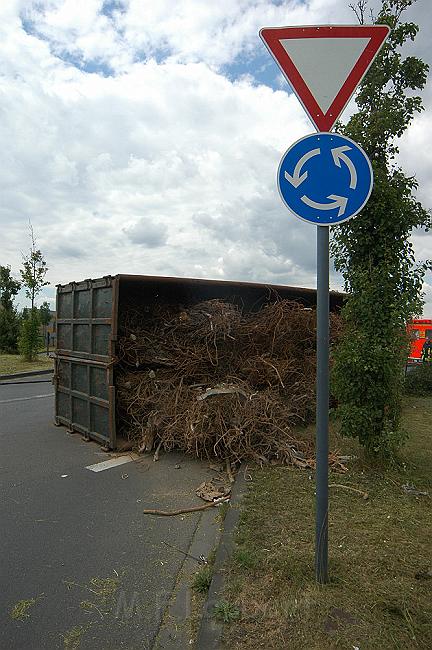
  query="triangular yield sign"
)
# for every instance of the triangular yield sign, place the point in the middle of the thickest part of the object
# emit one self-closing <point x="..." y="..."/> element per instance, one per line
<point x="324" y="64"/>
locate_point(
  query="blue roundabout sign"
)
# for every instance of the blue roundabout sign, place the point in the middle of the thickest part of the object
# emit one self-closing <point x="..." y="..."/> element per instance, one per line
<point x="325" y="178"/>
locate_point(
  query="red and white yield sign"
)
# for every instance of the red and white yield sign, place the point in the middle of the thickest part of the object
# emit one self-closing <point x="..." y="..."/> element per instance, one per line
<point x="324" y="64"/>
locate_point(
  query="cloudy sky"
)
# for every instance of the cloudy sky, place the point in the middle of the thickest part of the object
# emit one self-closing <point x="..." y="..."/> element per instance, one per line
<point x="144" y="136"/>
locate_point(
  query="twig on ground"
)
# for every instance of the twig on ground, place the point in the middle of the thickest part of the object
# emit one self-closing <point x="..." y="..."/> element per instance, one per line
<point x="172" y="513"/>
<point x="365" y="495"/>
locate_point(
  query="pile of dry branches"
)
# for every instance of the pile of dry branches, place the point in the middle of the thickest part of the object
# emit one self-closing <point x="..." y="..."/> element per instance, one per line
<point x="213" y="381"/>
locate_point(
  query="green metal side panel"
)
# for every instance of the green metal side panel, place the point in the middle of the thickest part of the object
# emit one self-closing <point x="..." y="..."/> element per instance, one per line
<point x="86" y="334"/>
<point x="86" y="319"/>
<point x="85" y="398"/>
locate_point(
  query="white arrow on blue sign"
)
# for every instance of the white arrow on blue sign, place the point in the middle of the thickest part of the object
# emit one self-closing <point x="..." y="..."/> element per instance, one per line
<point x="325" y="178"/>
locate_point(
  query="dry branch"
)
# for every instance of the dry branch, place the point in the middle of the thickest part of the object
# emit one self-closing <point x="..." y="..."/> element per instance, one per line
<point x="182" y="511"/>
<point x="365" y="495"/>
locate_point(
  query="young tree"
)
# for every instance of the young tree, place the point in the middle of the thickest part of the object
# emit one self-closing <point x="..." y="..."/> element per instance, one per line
<point x="9" y="319"/>
<point x="33" y="275"/>
<point x="28" y="340"/>
<point x="34" y="270"/>
<point x="374" y="252"/>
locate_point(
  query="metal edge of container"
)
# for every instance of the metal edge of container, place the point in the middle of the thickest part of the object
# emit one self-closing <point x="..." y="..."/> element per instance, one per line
<point x="336" y="297"/>
<point x="107" y="404"/>
<point x="113" y="351"/>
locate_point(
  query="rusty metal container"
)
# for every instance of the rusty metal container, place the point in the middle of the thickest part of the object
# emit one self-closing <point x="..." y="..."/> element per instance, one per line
<point x="87" y="330"/>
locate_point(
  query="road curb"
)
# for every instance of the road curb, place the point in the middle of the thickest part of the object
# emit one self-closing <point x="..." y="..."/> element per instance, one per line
<point x="210" y="632"/>
<point x="29" y="373"/>
<point x="174" y="631"/>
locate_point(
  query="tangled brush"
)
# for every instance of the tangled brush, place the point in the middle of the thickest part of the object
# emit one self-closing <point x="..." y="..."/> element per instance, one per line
<point x="211" y="380"/>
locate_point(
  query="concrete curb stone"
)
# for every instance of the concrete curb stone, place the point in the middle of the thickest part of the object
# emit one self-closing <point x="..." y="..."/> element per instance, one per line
<point x="210" y="632"/>
<point x="29" y="373"/>
<point x="173" y="633"/>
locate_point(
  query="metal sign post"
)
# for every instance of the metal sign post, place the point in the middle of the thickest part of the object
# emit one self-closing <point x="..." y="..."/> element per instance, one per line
<point x="324" y="179"/>
<point x="322" y="408"/>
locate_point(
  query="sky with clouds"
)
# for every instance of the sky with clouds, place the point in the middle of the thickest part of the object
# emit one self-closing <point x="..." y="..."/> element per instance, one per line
<point x="144" y="137"/>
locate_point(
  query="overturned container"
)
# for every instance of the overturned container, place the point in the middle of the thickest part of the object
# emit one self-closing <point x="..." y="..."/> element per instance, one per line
<point x="88" y="316"/>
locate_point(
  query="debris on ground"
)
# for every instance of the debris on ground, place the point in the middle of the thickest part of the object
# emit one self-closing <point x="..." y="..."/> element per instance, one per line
<point x="20" y="610"/>
<point x="210" y="490"/>
<point x="412" y="490"/>
<point x="213" y="380"/>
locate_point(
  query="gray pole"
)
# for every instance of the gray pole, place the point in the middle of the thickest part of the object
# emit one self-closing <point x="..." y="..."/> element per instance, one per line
<point x="322" y="410"/>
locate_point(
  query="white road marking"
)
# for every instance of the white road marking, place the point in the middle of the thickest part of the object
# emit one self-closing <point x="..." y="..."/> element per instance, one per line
<point x="112" y="462"/>
<point x="23" y="399"/>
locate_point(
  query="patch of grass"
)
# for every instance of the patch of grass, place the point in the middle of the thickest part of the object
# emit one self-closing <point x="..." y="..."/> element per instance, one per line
<point x="202" y="579"/>
<point x="72" y="638"/>
<point x="20" y="611"/>
<point x="226" y="612"/>
<point x="246" y="558"/>
<point x="88" y="606"/>
<point x="105" y="588"/>
<point x="379" y="595"/>
<point x="101" y="591"/>
<point x="10" y="363"/>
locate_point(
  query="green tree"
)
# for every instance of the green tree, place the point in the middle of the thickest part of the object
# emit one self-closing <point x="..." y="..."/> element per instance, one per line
<point x="33" y="275"/>
<point x="9" y="318"/>
<point x="374" y="253"/>
<point x="34" y="270"/>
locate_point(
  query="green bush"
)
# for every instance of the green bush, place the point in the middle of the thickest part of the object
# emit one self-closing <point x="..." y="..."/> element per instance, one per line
<point x="419" y="380"/>
<point x="28" y="342"/>
<point x="368" y="384"/>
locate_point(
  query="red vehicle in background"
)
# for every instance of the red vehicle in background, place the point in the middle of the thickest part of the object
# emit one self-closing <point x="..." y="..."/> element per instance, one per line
<point x="419" y="331"/>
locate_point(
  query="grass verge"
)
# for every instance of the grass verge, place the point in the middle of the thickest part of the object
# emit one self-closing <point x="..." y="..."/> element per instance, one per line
<point x="380" y="594"/>
<point x="10" y="363"/>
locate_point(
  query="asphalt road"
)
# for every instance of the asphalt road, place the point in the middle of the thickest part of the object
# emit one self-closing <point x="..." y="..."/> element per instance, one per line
<point x="81" y="566"/>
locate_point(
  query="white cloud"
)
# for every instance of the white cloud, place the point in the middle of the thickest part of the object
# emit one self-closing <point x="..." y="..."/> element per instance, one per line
<point x="146" y="233"/>
<point x="165" y="167"/>
<point x="187" y="31"/>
